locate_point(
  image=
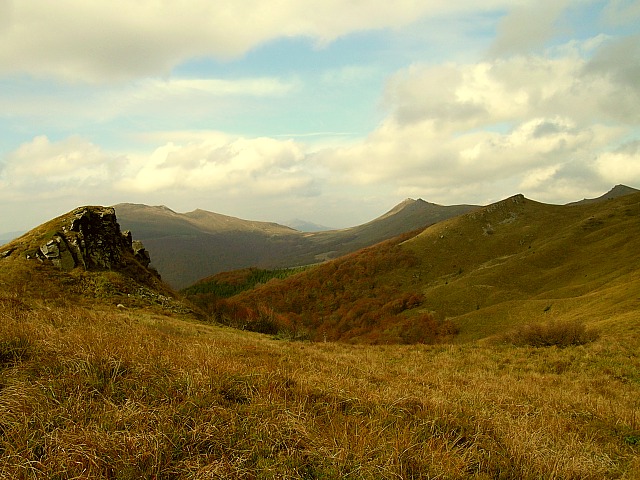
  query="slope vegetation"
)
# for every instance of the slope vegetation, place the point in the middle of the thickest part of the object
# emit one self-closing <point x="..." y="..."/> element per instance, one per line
<point x="475" y="275"/>
<point x="91" y="391"/>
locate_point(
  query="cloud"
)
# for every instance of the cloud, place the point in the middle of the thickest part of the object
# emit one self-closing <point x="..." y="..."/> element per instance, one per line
<point x="222" y="164"/>
<point x="506" y="90"/>
<point x="211" y="167"/>
<point x="119" y="40"/>
<point x="618" y="63"/>
<point x="528" y="27"/>
<point x="621" y="165"/>
<point x="258" y="178"/>
<point x="545" y="125"/>
<point x="41" y="168"/>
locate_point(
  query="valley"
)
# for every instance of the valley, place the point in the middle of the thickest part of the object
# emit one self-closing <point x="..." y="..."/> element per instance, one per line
<point x="188" y="247"/>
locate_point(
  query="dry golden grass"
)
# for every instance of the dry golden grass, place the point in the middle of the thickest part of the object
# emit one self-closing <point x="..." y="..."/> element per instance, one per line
<point x="94" y="392"/>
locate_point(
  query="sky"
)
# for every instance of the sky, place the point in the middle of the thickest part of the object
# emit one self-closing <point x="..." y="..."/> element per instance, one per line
<point x="330" y="111"/>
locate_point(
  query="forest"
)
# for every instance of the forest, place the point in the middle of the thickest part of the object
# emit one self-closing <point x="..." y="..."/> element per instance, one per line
<point x="364" y="297"/>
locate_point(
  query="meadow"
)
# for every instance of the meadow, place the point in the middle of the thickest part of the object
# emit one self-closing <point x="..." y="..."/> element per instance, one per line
<point x="94" y="391"/>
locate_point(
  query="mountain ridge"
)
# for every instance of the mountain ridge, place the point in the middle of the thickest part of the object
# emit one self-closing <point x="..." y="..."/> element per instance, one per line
<point x="486" y="271"/>
<point x="191" y="246"/>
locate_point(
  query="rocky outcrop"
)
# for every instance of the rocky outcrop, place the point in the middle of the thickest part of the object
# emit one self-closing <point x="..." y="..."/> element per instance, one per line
<point x="90" y="237"/>
<point x="57" y="251"/>
<point x="141" y="253"/>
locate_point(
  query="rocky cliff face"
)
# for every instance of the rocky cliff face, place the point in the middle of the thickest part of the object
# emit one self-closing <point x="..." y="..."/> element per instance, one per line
<point x="90" y="237"/>
<point x="84" y="256"/>
<point x="87" y="237"/>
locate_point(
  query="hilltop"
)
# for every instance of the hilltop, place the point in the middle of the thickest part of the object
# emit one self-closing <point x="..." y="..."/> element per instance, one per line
<point x="83" y="256"/>
<point x="187" y="247"/>
<point x="469" y="277"/>
<point x="615" y="192"/>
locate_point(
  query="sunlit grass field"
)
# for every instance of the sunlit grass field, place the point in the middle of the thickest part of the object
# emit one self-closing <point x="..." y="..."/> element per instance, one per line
<point x="90" y="391"/>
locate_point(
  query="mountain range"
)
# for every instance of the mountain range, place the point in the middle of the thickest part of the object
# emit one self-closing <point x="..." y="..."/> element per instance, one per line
<point x="186" y="247"/>
<point x="469" y="277"/>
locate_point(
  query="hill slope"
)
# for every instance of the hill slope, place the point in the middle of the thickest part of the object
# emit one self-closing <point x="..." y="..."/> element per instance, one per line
<point x="485" y="271"/>
<point x="615" y="192"/>
<point x="84" y="256"/>
<point x="188" y="247"/>
<point x="95" y="392"/>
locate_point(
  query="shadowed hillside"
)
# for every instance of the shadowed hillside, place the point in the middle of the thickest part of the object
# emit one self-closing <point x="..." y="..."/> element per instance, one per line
<point x="188" y="247"/>
<point x="478" y="274"/>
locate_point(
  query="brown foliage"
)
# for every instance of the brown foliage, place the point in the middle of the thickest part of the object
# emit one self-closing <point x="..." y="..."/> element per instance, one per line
<point x="553" y="333"/>
<point x="348" y="300"/>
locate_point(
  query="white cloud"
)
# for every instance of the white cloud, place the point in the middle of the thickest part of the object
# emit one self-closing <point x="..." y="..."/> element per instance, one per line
<point x="506" y="90"/>
<point x="105" y="41"/>
<point x="222" y="164"/>
<point x="526" y="122"/>
<point x="42" y="167"/>
<point x="621" y="165"/>
<point x="205" y="168"/>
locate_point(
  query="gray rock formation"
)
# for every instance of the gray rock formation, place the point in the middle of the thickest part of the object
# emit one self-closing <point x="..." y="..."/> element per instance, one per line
<point x="141" y="253"/>
<point x="58" y="252"/>
<point x="91" y="237"/>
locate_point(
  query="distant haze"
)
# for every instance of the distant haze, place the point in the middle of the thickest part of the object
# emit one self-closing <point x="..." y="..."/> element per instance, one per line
<point x="305" y="226"/>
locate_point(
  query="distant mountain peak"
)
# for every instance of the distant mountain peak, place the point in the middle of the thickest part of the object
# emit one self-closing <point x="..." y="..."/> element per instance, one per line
<point x="165" y="208"/>
<point x="306" y="226"/>
<point x="619" y="190"/>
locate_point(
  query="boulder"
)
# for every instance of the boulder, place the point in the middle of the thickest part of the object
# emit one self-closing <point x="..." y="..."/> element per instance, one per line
<point x="141" y="253"/>
<point x="57" y="251"/>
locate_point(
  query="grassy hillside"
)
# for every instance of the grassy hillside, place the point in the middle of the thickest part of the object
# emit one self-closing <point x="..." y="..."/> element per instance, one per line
<point x="524" y="261"/>
<point x="339" y="300"/>
<point x="91" y="391"/>
<point x="475" y="275"/>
